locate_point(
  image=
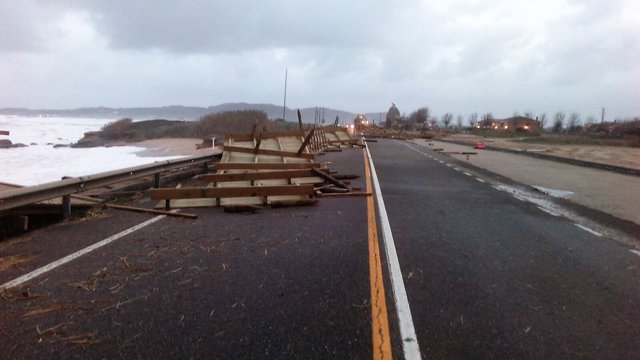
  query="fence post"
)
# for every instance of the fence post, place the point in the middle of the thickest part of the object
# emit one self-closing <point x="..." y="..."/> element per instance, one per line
<point x="66" y="203"/>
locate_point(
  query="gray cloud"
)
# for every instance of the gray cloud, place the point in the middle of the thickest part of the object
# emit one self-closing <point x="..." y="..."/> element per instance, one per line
<point x="458" y="56"/>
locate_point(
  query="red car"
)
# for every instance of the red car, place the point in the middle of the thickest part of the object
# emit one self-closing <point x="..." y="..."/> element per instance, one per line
<point x="478" y="145"/>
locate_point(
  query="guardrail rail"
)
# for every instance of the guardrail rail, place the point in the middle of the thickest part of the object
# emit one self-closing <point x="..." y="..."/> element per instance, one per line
<point x="14" y="198"/>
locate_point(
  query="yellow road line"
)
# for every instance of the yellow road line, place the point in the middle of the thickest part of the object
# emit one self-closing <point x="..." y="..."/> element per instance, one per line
<point x="379" y="321"/>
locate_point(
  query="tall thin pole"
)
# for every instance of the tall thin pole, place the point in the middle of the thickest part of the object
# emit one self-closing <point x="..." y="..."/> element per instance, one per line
<point x="284" y="106"/>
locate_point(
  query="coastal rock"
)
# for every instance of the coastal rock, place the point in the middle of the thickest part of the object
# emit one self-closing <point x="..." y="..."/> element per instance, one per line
<point x="7" y="144"/>
<point x="90" y="139"/>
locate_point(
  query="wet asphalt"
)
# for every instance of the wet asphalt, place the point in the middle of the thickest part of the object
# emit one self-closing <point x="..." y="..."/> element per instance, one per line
<point x="491" y="277"/>
<point x="487" y="276"/>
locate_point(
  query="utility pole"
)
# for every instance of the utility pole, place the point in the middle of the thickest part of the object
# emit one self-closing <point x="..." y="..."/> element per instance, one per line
<point x="602" y="116"/>
<point x="284" y="106"/>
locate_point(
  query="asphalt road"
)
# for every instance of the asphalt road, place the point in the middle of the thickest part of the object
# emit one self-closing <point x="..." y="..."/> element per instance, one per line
<point x="486" y="276"/>
<point x="489" y="276"/>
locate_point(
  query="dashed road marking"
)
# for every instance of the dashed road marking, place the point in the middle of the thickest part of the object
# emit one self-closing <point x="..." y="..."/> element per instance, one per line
<point x="466" y="173"/>
<point x="480" y="180"/>
<point x="635" y="252"/>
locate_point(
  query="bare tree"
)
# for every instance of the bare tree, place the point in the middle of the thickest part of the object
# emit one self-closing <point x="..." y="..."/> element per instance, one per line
<point x="574" y="123"/>
<point x="487" y="116"/>
<point x="460" y="121"/>
<point x="528" y="114"/>
<point x="473" y="119"/>
<point x="418" y="118"/>
<point x="542" y="118"/>
<point x="558" y="122"/>
<point x="446" y="119"/>
<point x="434" y="122"/>
<point x="516" y="113"/>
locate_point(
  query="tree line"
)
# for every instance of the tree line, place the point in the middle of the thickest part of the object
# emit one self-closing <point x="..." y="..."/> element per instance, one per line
<point x="422" y="119"/>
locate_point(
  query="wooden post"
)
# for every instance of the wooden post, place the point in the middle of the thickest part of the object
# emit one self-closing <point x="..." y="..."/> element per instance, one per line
<point x="299" y="119"/>
<point x="156" y="180"/>
<point x="66" y="203"/>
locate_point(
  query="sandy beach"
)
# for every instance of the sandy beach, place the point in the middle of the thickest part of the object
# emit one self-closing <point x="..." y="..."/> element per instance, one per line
<point x="172" y="147"/>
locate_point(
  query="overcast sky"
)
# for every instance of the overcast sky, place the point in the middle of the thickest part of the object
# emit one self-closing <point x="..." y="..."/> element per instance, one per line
<point x="452" y="56"/>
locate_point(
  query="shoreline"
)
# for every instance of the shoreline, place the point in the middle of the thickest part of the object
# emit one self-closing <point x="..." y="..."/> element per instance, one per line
<point x="167" y="147"/>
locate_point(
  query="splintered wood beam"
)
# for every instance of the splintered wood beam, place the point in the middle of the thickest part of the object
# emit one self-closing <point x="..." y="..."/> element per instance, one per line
<point x="226" y="192"/>
<point x="265" y="175"/>
<point x="266" y="135"/>
<point x="4" y="132"/>
<point x="344" y="141"/>
<point x="306" y="142"/>
<point x="330" y="179"/>
<point x="267" y="152"/>
<point x="152" y="211"/>
<point x="266" y="166"/>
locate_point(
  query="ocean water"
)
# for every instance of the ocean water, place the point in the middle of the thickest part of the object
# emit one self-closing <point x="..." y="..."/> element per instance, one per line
<point x="41" y="162"/>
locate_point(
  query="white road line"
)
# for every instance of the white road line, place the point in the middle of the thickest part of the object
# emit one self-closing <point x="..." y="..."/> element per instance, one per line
<point x="588" y="230"/>
<point x="635" y="252"/>
<point x="466" y="173"/>
<point x="441" y="162"/>
<point x="457" y="169"/>
<point x="480" y="180"/>
<point x="26" y="277"/>
<point x="410" y="345"/>
<point x="449" y="165"/>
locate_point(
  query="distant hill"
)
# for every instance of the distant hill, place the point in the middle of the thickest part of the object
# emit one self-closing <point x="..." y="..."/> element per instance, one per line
<point x="178" y="112"/>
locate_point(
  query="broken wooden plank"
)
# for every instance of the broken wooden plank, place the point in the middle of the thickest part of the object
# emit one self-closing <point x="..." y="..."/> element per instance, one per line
<point x="249" y="176"/>
<point x="152" y="211"/>
<point x="329" y="178"/>
<point x="305" y="142"/>
<point x="4" y="132"/>
<point x="266" y="135"/>
<point x="267" y="152"/>
<point x="226" y="192"/>
<point x="266" y="166"/>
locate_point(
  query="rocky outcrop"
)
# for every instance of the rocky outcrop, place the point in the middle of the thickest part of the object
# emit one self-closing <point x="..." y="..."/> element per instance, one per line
<point x="7" y="144"/>
<point x="90" y="139"/>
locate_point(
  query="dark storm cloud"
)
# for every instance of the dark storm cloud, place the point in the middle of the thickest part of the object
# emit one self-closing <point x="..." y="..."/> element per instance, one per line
<point x="235" y="26"/>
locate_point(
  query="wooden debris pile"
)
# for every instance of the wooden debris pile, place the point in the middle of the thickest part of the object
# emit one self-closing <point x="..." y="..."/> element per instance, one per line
<point x="265" y="168"/>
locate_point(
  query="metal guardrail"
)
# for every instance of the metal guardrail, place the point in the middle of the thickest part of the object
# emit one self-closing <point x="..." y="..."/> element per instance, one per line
<point x="28" y="195"/>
